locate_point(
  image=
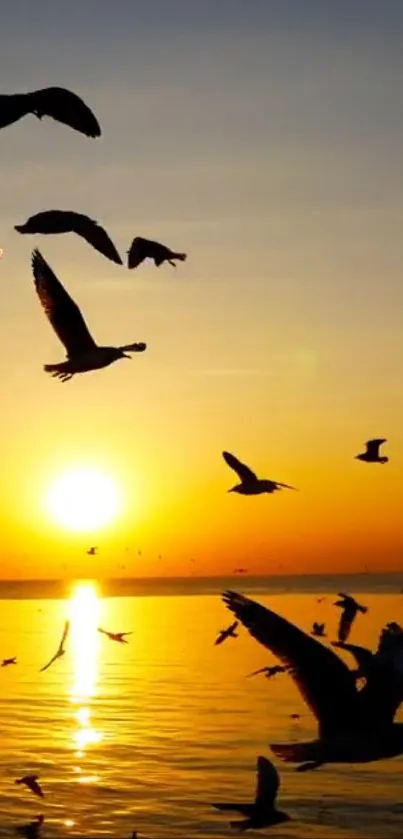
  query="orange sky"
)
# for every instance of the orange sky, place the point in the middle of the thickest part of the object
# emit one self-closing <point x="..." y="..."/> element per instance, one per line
<point x="263" y="145"/>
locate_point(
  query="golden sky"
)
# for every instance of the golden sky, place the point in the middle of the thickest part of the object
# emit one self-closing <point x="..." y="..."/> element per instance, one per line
<point x="267" y="145"/>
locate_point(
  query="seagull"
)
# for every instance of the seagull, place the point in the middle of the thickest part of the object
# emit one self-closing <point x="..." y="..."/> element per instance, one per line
<point x="83" y="354"/>
<point x="371" y="455"/>
<point x="56" y="102"/>
<point x="250" y="483"/>
<point x="269" y="672"/>
<point x="240" y="570"/>
<point x="318" y="629"/>
<point x="61" y="649"/>
<point x="31" y="830"/>
<point x="67" y="221"/>
<point x="262" y="813"/>
<point x="226" y="633"/>
<point x="92" y="551"/>
<point x="141" y="249"/>
<point x="7" y="661"/>
<point x="115" y="636"/>
<point x="354" y="726"/>
<point x="350" y="608"/>
<point x="31" y="781"/>
<point x="389" y="652"/>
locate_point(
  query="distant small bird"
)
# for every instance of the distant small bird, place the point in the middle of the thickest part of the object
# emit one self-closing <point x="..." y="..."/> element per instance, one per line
<point x="31" y="830"/>
<point x="142" y="249"/>
<point x="61" y="648"/>
<point x="240" y="570"/>
<point x="31" y="781"/>
<point x="295" y="716"/>
<point x="92" y="551"/>
<point x="269" y="672"/>
<point x="318" y="629"/>
<point x="7" y="661"/>
<point x="321" y="599"/>
<point x="350" y="607"/>
<point x="263" y="812"/>
<point x="371" y="455"/>
<point x="226" y="633"/>
<point x="250" y="483"/>
<point x="115" y="636"/>
<point x="83" y="354"/>
<point x="55" y="102"/>
<point x="67" y="221"/>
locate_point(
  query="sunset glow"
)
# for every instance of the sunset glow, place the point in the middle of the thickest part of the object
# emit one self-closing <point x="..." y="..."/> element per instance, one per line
<point x="84" y="500"/>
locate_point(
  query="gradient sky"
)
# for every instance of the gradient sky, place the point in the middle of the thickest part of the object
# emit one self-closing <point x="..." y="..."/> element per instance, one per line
<point x="264" y="139"/>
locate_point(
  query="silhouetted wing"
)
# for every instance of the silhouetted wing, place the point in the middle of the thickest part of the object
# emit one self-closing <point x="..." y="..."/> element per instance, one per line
<point x="346" y="621"/>
<point x="287" y="486"/>
<point x="362" y="655"/>
<point x="54" y="658"/>
<point x="12" y="108"/>
<point x="66" y="107"/>
<point x="233" y="627"/>
<point x="220" y="638"/>
<point x="323" y="679"/>
<point x="104" y="632"/>
<point x="64" y="636"/>
<point x="256" y="672"/>
<point x="96" y="236"/>
<point x="139" y="251"/>
<point x="268" y="782"/>
<point x="51" y="221"/>
<point x="373" y="445"/>
<point x="34" y="786"/>
<point x="243" y="471"/>
<point x="60" y="309"/>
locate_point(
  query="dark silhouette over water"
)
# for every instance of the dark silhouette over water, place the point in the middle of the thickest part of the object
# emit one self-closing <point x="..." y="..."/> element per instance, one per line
<point x="115" y="636"/>
<point x="318" y="630"/>
<point x="269" y="672"/>
<point x="67" y="221"/>
<point x="61" y="648"/>
<point x="371" y="454"/>
<point x="349" y="607"/>
<point x="263" y="812"/>
<point x="83" y="354"/>
<point x="31" y="830"/>
<point x="142" y="249"/>
<point x="226" y="633"/>
<point x="31" y="781"/>
<point x="56" y="102"/>
<point x="250" y="483"/>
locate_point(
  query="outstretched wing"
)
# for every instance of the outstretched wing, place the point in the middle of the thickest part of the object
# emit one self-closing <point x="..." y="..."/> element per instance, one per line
<point x="54" y="658"/>
<point x="64" y="636"/>
<point x="66" y="107"/>
<point x="362" y="655"/>
<point x="139" y="250"/>
<point x="323" y="679"/>
<point x="63" y="314"/>
<point x="287" y="486"/>
<point x="96" y="236"/>
<point x="268" y="782"/>
<point x="346" y="621"/>
<point x="243" y="471"/>
<point x="373" y="445"/>
<point x="12" y="108"/>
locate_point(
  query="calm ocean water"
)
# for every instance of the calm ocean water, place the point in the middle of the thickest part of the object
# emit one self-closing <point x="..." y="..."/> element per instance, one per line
<point x="143" y="736"/>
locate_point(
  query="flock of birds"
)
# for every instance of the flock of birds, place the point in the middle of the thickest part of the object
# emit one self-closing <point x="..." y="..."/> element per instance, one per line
<point x="355" y="720"/>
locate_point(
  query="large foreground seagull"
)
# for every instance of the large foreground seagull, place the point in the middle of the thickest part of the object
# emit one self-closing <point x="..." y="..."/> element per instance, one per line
<point x="354" y="726"/>
<point x="83" y="354"/>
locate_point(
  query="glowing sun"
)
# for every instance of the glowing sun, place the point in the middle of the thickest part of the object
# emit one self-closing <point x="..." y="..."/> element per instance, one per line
<point x="84" y="499"/>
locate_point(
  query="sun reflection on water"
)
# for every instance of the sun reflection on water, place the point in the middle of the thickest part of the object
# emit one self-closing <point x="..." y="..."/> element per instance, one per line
<point x="84" y="612"/>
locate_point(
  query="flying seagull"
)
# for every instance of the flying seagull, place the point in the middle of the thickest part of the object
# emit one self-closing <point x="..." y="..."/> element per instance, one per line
<point x="31" y="781"/>
<point x="115" y="636"/>
<point x="67" y="221"/>
<point x="349" y="607"/>
<point x="226" y="633"/>
<point x="318" y="630"/>
<point x="7" y="661"/>
<point x="262" y="813"/>
<point x="354" y="726"/>
<point x="61" y="648"/>
<point x="250" y="483"/>
<point x="83" y="354"/>
<point x="371" y="454"/>
<point x="92" y="551"/>
<point x="31" y="830"/>
<point x="141" y="249"/>
<point x="269" y="672"/>
<point x="56" y="102"/>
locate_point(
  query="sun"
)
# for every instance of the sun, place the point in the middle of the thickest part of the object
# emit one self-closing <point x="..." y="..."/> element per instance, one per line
<point x="84" y="499"/>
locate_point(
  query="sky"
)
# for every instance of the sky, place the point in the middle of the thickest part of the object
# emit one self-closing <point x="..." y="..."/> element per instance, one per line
<point x="265" y="140"/>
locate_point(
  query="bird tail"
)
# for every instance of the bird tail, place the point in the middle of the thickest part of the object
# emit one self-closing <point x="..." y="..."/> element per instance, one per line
<point x="20" y="228"/>
<point x="59" y="371"/>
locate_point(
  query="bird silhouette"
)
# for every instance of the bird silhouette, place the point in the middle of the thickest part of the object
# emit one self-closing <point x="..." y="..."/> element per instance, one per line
<point x="371" y="454"/>
<point x="115" y="636"/>
<point x="67" y="221"/>
<point x="7" y="661"/>
<point x="56" y="102"/>
<point x="83" y="354"/>
<point x="250" y="483"/>
<point x="349" y="607"/>
<point x="226" y="633"/>
<point x="31" y="830"/>
<point x="240" y="571"/>
<point x="92" y="551"/>
<point x="354" y="726"/>
<point x="61" y="648"/>
<point x="263" y="812"/>
<point x="269" y="672"/>
<point x="142" y="249"/>
<point x="31" y="781"/>
<point x="318" y="629"/>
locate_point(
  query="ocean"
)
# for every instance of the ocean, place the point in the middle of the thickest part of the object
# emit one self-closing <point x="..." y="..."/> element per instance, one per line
<point x="145" y="735"/>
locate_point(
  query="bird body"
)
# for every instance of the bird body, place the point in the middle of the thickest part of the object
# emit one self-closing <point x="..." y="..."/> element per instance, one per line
<point x="250" y="483"/>
<point x="83" y="354"/>
<point x="226" y="633"/>
<point x="371" y="454"/>
<point x="115" y="636"/>
<point x="57" y="102"/>
<point x="68" y="221"/>
<point x="7" y="661"/>
<point x="349" y="607"/>
<point x="31" y="781"/>
<point x="318" y="630"/>
<point x="263" y="812"/>
<point x="142" y="249"/>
